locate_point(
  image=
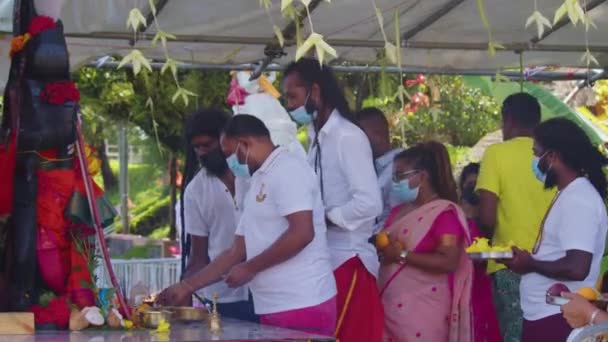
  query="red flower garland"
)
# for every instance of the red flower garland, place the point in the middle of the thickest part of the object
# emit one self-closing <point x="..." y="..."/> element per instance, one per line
<point x="39" y="24"/>
<point x="58" y="93"/>
<point x="57" y="312"/>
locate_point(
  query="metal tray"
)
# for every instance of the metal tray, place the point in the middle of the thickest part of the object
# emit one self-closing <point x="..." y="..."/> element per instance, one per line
<point x="491" y="255"/>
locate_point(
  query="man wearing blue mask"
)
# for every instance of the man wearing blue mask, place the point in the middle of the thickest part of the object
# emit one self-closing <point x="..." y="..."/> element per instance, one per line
<point x="375" y="125"/>
<point x="342" y="158"/>
<point x="209" y="209"/>
<point x="512" y="202"/>
<point x="280" y="246"/>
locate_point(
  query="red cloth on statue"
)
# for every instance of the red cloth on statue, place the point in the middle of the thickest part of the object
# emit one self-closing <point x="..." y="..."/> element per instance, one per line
<point x="360" y="312"/>
<point x="8" y="153"/>
<point x="63" y="266"/>
<point x="54" y="191"/>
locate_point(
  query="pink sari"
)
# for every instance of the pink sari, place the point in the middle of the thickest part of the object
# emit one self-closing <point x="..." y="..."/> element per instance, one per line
<point x="424" y="306"/>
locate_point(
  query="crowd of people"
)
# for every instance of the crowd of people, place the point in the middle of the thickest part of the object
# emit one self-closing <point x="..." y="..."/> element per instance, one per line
<point x="294" y="251"/>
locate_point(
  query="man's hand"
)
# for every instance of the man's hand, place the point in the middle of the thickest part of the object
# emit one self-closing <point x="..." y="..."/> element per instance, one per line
<point x="176" y="295"/>
<point x="240" y="275"/>
<point x="578" y="311"/>
<point x="521" y="262"/>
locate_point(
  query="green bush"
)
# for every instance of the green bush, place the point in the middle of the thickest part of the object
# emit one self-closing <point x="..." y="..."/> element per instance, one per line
<point x="138" y="252"/>
<point x="157" y="215"/>
<point x="461" y="116"/>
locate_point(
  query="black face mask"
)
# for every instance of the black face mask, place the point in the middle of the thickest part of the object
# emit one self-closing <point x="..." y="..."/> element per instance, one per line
<point x="469" y="195"/>
<point x="214" y="162"/>
<point x="551" y="181"/>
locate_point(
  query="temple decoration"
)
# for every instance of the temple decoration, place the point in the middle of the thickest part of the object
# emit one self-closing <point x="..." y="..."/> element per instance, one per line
<point x="52" y="211"/>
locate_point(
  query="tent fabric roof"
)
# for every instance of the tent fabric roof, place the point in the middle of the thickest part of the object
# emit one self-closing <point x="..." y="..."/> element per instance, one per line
<point x="441" y="34"/>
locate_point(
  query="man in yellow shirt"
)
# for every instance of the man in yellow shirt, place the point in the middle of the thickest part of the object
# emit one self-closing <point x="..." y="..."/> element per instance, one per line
<point x="512" y="202"/>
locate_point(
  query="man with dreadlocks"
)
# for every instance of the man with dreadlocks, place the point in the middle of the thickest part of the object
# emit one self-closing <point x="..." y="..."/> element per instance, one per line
<point x="342" y="158"/>
<point x="210" y="208"/>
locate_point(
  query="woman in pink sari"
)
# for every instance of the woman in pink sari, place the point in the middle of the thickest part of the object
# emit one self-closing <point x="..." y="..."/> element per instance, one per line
<point x="425" y="277"/>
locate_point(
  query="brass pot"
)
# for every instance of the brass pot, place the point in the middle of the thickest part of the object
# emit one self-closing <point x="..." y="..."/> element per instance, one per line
<point x="152" y="318"/>
<point x="188" y="313"/>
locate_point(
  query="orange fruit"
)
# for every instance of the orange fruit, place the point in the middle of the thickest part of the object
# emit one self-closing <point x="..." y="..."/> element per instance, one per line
<point x="382" y="240"/>
<point x="588" y="293"/>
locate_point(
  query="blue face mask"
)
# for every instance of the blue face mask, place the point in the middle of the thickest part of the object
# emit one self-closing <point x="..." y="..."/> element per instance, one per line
<point x="403" y="192"/>
<point x="301" y="116"/>
<point x="238" y="169"/>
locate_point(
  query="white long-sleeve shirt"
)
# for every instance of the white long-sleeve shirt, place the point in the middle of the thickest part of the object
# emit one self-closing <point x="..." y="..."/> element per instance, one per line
<point x="384" y="170"/>
<point x="351" y="195"/>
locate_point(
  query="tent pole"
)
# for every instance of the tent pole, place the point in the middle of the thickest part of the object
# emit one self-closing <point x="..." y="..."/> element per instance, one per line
<point x="513" y="74"/>
<point x="423" y="45"/>
<point x="431" y="19"/>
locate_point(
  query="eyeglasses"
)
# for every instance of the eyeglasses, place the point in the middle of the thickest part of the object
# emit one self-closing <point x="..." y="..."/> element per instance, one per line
<point x="404" y="175"/>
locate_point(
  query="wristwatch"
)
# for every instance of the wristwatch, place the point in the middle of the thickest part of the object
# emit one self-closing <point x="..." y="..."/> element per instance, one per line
<point x="402" y="257"/>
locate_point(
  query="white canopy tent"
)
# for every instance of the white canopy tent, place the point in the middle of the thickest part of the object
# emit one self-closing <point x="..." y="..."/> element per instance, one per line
<point x="438" y="35"/>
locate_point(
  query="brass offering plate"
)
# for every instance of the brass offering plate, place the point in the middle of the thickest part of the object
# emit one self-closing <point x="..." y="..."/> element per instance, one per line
<point x="187" y="313"/>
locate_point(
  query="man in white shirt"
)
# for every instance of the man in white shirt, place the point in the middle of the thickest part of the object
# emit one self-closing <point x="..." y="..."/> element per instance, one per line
<point x="210" y="212"/>
<point x="342" y="159"/>
<point x="280" y="247"/>
<point x="375" y="125"/>
<point x="572" y="237"/>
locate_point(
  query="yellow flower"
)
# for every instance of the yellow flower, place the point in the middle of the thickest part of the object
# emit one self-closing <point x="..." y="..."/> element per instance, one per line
<point x="163" y="327"/>
<point x="94" y="163"/>
<point x="18" y="43"/>
<point x="128" y="324"/>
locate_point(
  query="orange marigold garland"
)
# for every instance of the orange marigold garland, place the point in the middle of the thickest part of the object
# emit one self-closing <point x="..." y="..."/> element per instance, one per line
<point x="37" y="25"/>
<point x="18" y="43"/>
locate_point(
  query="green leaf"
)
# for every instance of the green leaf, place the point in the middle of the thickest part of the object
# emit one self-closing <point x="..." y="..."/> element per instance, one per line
<point x="320" y="45"/>
<point x="136" y="19"/>
<point x="560" y="12"/>
<point x="391" y="52"/>
<point x="184" y="94"/>
<point x="279" y="35"/>
<point x="170" y="64"/>
<point x="163" y="37"/>
<point x="540" y="21"/>
<point x="493" y="46"/>
<point x="137" y="60"/>
<point x="46" y="298"/>
<point x="589" y="59"/>
<point x="152" y="7"/>
<point x="397" y="38"/>
<point x="150" y="104"/>
<point x="575" y="11"/>
<point x="285" y="4"/>
<point x="266" y="3"/>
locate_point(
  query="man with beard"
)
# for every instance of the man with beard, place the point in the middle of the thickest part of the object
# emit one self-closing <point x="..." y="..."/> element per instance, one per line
<point x="210" y="211"/>
<point x="512" y="202"/>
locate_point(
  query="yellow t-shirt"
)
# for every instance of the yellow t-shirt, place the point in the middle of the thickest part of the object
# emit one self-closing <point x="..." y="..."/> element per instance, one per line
<point x="506" y="170"/>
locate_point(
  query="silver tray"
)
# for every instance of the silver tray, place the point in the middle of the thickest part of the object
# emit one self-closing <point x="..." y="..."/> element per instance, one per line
<point x="491" y="255"/>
